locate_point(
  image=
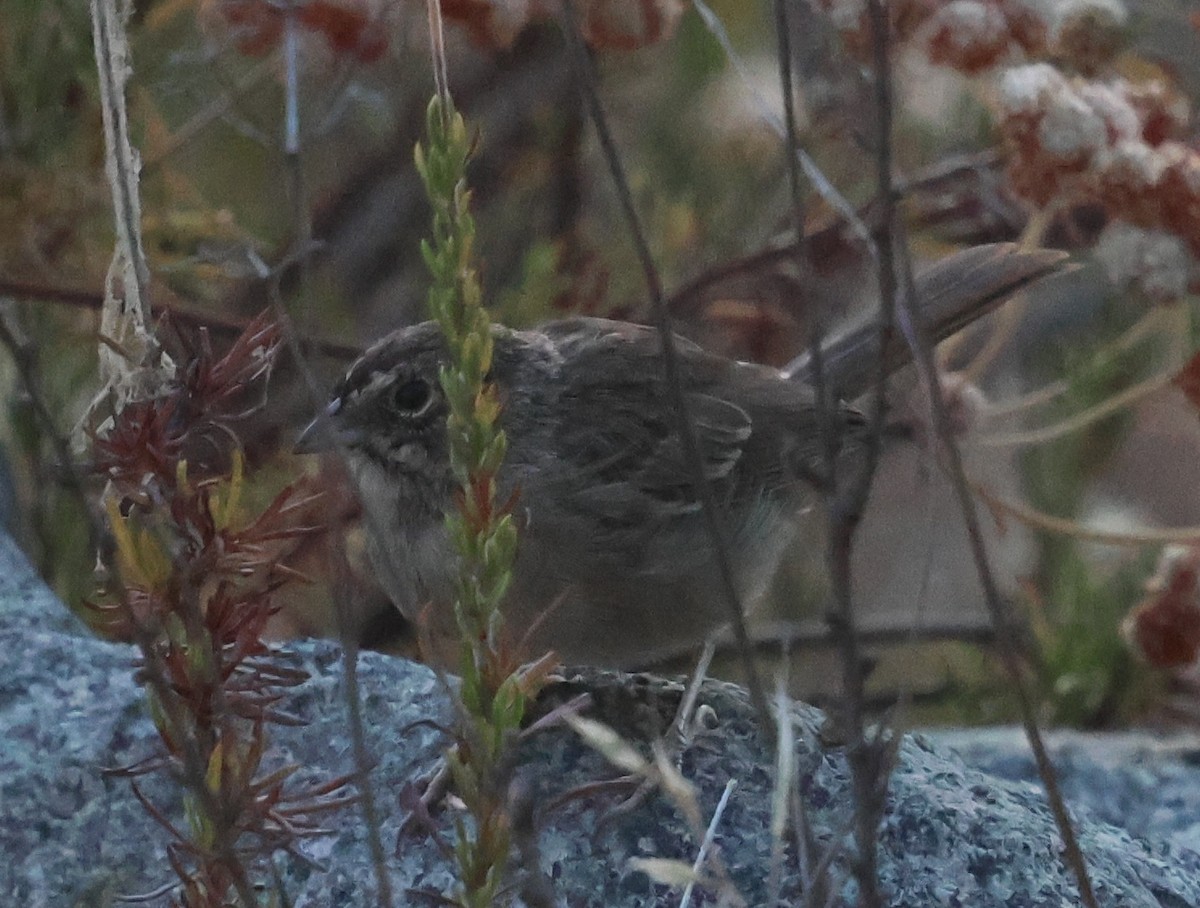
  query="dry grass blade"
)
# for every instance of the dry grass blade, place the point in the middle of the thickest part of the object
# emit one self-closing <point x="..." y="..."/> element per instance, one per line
<point x="609" y="744"/>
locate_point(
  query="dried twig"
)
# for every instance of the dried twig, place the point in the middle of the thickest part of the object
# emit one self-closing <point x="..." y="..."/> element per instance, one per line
<point x="353" y="697"/>
<point x="670" y="357"/>
<point x="821" y="183"/>
<point x="997" y="606"/>
<point x="142" y="368"/>
<point x="868" y="755"/>
<point x="787" y="801"/>
<point x="168" y="305"/>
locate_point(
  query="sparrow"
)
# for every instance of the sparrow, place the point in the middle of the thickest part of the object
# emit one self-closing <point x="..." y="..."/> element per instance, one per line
<point x="614" y="566"/>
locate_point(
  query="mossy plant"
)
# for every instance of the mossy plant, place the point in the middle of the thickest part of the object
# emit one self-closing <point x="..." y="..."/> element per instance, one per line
<point x="493" y="692"/>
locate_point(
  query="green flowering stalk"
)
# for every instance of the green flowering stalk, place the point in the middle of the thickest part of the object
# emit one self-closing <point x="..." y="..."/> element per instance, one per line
<point x="493" y="691"/>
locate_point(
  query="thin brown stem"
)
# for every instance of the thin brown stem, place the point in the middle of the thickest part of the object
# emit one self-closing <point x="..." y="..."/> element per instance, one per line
<point x="1083" y="419"/>
<point x="998" y="608"/>
<point x="714" y="527"/>
<point x="363" y="761"/>
<point x="167" y="305"/>
<point x="868" y="755"/>
<point x="1040" y="520"/>
<point x="791" y="138"/>
<point x="358" y="742"/>
<point x="299" y="347"/>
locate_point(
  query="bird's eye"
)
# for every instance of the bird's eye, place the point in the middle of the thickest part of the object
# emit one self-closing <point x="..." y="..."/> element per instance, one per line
<point x="411" y="396"/>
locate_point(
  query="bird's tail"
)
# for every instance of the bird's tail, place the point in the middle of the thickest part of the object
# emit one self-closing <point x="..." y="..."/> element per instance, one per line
<point x="949" y="296"/>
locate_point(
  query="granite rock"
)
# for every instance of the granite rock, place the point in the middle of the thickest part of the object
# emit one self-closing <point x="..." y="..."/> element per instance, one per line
<point x="952" y="834"/>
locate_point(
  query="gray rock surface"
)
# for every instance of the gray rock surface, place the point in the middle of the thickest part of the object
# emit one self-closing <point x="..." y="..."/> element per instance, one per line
<point x="1147" y="784"/>
<point x="952" y="834"/>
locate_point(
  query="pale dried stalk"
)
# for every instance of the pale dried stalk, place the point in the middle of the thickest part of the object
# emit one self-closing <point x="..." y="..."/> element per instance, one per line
<point x="132" y="365"/>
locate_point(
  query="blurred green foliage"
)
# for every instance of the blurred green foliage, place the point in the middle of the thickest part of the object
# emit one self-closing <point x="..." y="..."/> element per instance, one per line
<point x="47" y="83"/>
<point x="708" y="178"/>
<point x="1088" y="676"/>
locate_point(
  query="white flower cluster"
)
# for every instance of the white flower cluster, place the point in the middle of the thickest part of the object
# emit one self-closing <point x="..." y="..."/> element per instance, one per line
<point x="1070" y="127"/>
<point x="1024" y="90"/>
<point x="970" y="22"/>
<point x="972" y="36"/>
<point x="1156" y="262"/>
<point x="1073" y="139"/>
<point x="1074" y="116"/>
<point x="846" y="14"/>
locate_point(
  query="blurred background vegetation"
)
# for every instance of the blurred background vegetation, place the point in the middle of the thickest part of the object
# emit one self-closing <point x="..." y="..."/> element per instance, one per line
<point x="241" y="212"/>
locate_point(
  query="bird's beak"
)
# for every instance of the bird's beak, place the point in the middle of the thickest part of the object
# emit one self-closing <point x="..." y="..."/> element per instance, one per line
<point x="322" y="433"/>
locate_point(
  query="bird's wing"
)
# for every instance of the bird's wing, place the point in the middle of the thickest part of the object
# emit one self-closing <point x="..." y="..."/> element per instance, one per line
<point x="623" y="460"/>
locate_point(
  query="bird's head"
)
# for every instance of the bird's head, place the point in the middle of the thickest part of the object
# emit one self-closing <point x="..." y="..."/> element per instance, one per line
<point x="389" y="409"/>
